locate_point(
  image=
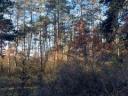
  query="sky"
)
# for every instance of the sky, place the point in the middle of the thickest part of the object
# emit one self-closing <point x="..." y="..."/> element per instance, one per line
<point x="35" y="16"/>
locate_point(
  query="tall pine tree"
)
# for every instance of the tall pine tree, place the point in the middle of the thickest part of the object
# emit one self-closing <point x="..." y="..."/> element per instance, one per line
<point x="110" y="25"/>
<point x="6" y="25"/>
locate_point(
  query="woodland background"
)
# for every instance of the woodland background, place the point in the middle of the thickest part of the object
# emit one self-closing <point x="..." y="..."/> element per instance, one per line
<point x="63" y="47"/>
